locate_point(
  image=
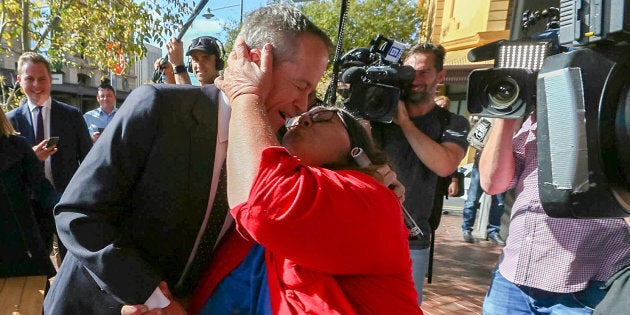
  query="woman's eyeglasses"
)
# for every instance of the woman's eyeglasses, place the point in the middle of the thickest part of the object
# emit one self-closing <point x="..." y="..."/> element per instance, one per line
<point x="315" y="116"/>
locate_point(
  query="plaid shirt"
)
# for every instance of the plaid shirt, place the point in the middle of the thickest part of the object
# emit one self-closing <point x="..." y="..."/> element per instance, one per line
<point x="556" y="254"/>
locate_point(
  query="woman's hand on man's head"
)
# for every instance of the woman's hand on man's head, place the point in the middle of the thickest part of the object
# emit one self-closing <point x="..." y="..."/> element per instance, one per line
<point x="248" y="71"/>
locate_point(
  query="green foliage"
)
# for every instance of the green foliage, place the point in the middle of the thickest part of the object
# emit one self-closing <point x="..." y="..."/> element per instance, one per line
<point x="232" y="28"/>
<point x="9" y="96"/>
<point x="395" y="19"/>
<point x="87" y="33"/>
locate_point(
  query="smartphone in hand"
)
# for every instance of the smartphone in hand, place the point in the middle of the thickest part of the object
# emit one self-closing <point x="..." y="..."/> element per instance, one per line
<point x="52" y="141"/>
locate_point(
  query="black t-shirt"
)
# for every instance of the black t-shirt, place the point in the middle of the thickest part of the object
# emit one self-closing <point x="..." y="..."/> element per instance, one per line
<point x="420" y="182"/>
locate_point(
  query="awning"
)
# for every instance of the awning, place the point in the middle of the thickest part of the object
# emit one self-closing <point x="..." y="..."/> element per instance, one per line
<point x="458" y="67"/>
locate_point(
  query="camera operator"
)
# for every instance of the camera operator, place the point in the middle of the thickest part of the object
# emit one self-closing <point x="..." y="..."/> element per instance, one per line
<point x="205" y="61"/>
<point x="551" y="265"/>
<point x="424" y="142"/>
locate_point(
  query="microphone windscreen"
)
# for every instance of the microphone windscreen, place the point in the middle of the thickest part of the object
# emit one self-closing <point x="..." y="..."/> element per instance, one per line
<point x="352" y="75"/>
<point x="406" y="73"/>
<point x="485" y="52"/>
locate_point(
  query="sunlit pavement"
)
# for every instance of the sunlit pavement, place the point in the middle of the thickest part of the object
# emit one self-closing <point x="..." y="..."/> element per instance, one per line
<point x="461" y="271"/>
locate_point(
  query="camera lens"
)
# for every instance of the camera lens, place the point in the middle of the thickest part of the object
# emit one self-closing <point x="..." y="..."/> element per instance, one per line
<point x="503" y="92"/>
<point x="375" y="101"/>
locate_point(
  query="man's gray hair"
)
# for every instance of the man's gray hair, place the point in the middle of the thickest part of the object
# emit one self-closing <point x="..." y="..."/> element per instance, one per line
<point x="281" y="25"/>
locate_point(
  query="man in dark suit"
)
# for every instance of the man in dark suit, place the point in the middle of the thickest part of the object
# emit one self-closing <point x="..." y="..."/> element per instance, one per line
<point x="139" y="208"/>
<point x="57" y="120"/>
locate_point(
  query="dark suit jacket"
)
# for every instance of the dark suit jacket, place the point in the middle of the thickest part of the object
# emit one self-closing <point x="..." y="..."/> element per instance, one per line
<point x="22" y="248"/>
<point x="130" y="216"/>
<point x="67" y="123"/>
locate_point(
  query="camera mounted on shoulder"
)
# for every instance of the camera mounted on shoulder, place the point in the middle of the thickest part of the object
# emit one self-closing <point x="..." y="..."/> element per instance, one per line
<point x="374" y="79"/>
<point x="573" y="74"/>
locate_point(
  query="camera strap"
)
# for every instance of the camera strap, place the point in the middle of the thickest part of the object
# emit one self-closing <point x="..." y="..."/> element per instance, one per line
<point x="444" y="118"/>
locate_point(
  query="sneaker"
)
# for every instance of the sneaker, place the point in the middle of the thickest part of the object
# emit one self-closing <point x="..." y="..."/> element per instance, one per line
<point x="496" y="238"/>
<point x="468" y="237"/>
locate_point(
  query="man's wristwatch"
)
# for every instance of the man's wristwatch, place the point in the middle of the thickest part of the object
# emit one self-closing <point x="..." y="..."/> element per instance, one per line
<point x="179" y="69"/>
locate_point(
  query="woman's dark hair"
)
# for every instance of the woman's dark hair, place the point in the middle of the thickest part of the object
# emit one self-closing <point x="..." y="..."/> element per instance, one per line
<point x="359" y="137"/>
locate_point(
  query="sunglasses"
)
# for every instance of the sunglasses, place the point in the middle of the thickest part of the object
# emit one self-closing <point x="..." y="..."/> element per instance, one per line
<point x="207" y="43"/>
<point x="315" y="116"/>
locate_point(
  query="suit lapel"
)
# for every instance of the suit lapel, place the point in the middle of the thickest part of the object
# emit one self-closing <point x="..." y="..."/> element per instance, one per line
<point x="56" y="123"/>
<point x="27" y="125"/>
<point x="203" y="134"/>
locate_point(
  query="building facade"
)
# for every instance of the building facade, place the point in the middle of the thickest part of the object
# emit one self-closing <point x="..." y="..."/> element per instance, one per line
<point x="459" y="26"/>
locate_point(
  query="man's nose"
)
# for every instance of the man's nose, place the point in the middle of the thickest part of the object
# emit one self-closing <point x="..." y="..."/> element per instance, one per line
<point x="302" y="103"/>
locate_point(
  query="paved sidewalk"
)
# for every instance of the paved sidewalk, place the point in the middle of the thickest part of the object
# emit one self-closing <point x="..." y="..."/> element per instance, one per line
<point x="461" y="271"/>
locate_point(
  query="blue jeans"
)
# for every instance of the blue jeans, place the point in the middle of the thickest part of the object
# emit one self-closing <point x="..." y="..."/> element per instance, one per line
<point x="504" y="297"/>
<point x="472" y="204"/>
<point x="419" y="268"/>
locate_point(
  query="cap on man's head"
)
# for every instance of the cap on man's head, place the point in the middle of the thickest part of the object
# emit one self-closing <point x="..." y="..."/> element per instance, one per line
<point x="207" y="44"/>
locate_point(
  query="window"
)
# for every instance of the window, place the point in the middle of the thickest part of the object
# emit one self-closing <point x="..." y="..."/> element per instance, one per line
<point x="83" y="79"/>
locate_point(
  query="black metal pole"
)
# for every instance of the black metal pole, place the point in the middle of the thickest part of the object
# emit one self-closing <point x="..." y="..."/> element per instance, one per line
<point x="331" y="93"/>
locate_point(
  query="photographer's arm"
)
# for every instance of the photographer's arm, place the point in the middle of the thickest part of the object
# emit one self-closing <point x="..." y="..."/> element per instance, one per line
<point x="441" y="158"/>
<point x="496" y="165"/>
<point x="175" y="50"/>
<point x="168" y="72"/>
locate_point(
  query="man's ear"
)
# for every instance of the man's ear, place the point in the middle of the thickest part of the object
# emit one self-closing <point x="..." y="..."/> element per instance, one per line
<point x="255" y="55"/>
<point x="441" y="76"/>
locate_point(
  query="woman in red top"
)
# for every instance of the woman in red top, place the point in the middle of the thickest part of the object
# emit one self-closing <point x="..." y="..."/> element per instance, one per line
<point x="334" y="237"/>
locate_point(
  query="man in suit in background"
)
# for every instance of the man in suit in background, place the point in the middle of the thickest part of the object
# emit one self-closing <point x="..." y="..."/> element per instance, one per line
<point x="136" y="216"/>
<point x="57" y="119"/>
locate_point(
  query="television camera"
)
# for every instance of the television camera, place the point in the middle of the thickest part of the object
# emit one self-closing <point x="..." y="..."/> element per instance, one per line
<point x="374" y="79"/>
<point x="574" y="75"/>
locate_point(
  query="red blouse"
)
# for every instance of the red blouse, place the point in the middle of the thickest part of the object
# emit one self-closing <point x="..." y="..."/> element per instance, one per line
<point x="335" y="241"/>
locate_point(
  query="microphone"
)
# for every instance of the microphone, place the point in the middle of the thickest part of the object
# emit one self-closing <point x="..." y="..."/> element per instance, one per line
<point x="363" y="161"/>
<point x="485" y="52"/>
<point x="360" y="56"/>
